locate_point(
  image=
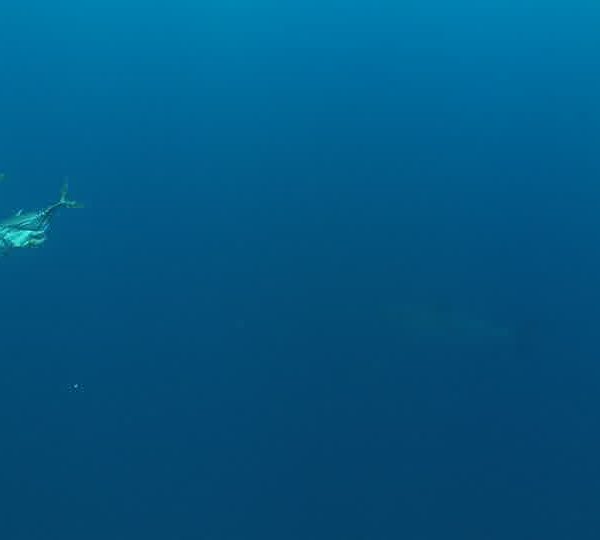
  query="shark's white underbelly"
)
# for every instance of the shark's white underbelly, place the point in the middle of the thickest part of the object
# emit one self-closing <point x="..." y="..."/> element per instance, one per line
<point x="11" y="238"/>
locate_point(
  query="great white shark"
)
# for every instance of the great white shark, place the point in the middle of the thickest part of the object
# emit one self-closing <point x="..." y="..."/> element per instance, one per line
<point x="434" y="324"/>
<point x="28" y="229"/>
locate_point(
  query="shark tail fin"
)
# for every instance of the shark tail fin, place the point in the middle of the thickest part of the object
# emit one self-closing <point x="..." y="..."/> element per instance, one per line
<point x="64" y="198"/>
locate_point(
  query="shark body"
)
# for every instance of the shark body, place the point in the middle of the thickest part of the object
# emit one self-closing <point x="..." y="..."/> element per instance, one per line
<point x="424" y="323"/>
<point x="28" y="229"/>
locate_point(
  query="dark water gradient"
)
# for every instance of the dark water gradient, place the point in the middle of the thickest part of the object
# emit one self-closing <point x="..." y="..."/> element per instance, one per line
<point x="267" y="185"/>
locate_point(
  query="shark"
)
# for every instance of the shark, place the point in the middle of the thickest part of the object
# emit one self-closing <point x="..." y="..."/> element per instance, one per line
<point x="28" y="229"/>
<point x="443" y="325"/>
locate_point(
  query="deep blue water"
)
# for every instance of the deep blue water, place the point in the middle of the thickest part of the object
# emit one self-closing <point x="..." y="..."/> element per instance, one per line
<point x="270" y="188"/>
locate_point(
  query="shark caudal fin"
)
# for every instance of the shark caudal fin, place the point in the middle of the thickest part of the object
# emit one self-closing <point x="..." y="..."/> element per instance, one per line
<point x="64" y="198"/>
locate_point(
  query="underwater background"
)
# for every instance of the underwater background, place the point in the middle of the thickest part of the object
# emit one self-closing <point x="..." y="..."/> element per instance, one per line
<point x="337" y="275"/>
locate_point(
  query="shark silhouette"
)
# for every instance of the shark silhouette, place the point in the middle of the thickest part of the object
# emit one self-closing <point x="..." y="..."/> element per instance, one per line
<point x="435" y="324"/>
<point x="28" y="229"/>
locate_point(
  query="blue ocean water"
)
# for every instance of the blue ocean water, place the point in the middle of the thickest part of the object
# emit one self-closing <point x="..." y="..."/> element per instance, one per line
<point x="336" y="276"/>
